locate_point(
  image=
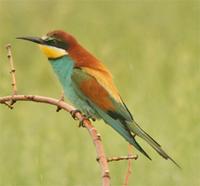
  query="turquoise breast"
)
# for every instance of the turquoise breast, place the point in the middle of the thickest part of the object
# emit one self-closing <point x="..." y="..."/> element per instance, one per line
<point x="63" y="67"/>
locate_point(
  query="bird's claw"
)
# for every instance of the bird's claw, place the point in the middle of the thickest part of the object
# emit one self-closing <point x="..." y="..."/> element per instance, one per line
<point x="85" y="118"/>
<point x="74" y="112"/>
<point x="81" y="123"/>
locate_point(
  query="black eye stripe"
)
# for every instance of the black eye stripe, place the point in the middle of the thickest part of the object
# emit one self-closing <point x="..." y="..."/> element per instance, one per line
<point x="56" y="43"/>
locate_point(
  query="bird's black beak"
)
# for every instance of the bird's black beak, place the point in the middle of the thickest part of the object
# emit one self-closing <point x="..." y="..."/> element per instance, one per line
<point x="33" y="39"/>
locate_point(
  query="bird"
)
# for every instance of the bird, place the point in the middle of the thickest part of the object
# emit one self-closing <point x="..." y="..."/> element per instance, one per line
<point x="89" y="85"/>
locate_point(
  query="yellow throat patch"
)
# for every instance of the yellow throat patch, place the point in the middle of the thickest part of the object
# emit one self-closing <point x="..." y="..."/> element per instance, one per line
<point x="53" y="52"/>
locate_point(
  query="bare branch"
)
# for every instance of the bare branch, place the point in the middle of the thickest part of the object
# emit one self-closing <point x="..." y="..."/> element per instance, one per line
<point x="129" y="157"/>
<point x="92" y="131"/>
<point x="129" y="167"/>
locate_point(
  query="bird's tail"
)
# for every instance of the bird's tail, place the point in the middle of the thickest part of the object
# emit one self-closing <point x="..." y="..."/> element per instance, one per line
<point x="137" y="130"/>
<point x="130" y="129"/>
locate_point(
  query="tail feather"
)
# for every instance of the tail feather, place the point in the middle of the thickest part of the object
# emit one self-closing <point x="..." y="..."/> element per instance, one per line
<point x="137" y="130"/>
<point x="129" y="129"/>
<point x="122" y="129"/>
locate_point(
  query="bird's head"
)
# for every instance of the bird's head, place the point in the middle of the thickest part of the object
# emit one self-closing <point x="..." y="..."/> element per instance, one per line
<point x="54" y="44"/>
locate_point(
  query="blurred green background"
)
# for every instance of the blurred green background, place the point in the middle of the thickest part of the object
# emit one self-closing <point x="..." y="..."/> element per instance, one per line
<point x="152" y="49"/>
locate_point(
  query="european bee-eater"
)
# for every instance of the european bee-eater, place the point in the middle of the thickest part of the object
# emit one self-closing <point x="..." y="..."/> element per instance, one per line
<point x="89" y="86"/>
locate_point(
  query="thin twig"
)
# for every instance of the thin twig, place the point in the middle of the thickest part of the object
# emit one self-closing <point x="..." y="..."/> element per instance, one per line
<point x="129" y="157"/>
<point x="91" y="129"/>
<point x="12" y="69"/>
<point x="128" y="173"/>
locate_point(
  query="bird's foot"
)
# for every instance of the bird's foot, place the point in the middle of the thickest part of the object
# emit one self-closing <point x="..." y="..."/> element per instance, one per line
<point x="86" y="118"/>
<point x="89" y="116"/>
<point x="81" y="123"/>
<point x="74" y="112"/>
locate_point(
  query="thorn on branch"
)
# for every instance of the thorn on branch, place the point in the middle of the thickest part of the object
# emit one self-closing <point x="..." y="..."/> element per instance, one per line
<point x="12" y="102"/>
<point x="58" y="109"/>
<point x="12" y="71"/>
<point x="8" y="105"/>
<point x="106" y="174"/>
<point x="98" y="137"/>
<point x="62" y="98"/>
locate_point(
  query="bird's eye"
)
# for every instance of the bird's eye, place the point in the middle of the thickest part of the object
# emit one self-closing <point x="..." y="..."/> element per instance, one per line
<point x="50" y="41"/>
<point x="56" y="42"/>
<point x="46" y="38"/>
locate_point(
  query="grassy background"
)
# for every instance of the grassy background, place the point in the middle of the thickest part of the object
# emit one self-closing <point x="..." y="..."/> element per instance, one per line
<point x="151" y="47"/>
